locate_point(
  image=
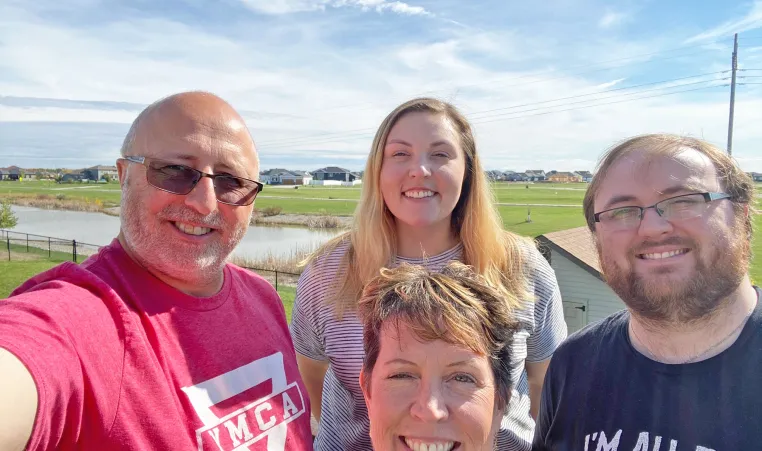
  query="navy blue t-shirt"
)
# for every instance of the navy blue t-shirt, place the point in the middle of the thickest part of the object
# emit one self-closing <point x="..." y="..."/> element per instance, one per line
<point x="600" y="394"/>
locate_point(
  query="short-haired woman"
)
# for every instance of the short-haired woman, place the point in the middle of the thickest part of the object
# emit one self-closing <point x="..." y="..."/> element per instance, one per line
<point x="437" y="346"/>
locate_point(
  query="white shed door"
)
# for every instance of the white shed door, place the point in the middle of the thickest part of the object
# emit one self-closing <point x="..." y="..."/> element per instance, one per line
<point x="575" y="314"/>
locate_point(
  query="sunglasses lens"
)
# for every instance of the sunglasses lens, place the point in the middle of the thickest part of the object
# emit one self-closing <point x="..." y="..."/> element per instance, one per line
<point x="174" y="178"/>
<point x="234" y="190"/>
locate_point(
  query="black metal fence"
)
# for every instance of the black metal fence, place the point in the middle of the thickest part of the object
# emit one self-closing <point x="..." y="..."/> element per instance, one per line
<point x="19" y="246"/>
<point x="275" y="277"/>
<point x="28" y="246"/>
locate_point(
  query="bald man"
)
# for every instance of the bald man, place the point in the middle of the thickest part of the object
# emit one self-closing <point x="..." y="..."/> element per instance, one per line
<point x="156" y="343"/>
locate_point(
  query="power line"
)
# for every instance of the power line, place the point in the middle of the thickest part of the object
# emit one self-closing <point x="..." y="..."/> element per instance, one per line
<point x="605" y="91"/>
<point x="567" y="74"/>
<point x="497" y="118"/>
<point x="602" y="104"/>
<point x="594" y="64"/>
<point x="365" y="131"/>
<point x="371" y="132"/>
<point x="362" y="132"/>
<point x="609" y="97"/>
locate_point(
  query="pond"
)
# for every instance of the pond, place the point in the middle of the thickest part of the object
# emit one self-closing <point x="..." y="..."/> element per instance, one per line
<point x="100" y="229"/>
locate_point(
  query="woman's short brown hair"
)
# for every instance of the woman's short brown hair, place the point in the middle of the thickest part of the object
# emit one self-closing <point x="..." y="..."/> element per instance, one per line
<point x="455" y="305"/>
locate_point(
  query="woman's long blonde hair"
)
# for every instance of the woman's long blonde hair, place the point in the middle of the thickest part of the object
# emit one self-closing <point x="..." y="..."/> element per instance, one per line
<point x="493" y="252"/>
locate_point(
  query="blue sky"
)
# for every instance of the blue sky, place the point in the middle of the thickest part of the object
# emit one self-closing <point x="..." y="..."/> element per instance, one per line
<point x="546" y="84"/>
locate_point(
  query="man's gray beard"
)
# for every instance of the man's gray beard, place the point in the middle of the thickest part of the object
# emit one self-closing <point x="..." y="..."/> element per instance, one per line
<point x="157" y="253"/>
<point x="689" y="301"/>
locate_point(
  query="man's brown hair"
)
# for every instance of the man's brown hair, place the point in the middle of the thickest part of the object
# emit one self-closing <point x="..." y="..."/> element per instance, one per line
<point x="733" y="181"/>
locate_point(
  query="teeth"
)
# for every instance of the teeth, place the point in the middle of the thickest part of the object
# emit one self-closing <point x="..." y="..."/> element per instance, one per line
<point x="660" y="255"/>
<point x="192" y="230"/>
<point x="419" y="195"/>
<point x="416" y="445"/>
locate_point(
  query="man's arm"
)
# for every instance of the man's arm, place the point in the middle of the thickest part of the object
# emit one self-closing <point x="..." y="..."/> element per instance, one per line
<point x="313" y="374"/>
<point x="536" y="376"/>
<point x="546" y="402"/>
<point x="18" y="403"/>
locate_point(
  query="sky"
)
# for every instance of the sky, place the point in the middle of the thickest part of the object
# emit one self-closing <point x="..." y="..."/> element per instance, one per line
<point x="546" y="84"/>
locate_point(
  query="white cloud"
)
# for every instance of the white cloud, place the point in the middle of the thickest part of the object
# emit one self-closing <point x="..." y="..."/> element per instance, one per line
<point x="311" y="101"/>
<point x="611" y="19"/>
<point x="751" y="21"/>
<point x="295" y="6"/>
<point x="610" y="83"/>
<point x="283" y="6"/>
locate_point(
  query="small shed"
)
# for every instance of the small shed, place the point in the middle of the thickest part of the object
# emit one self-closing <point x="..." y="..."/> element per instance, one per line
<point x="586" y="296"/>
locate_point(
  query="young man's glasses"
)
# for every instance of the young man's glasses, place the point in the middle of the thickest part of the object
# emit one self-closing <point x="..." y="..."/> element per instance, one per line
<point x="676" y="208"/>
<point x="179" y="179"/>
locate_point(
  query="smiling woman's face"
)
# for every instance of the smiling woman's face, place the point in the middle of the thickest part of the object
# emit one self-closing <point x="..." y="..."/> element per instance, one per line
<point x="434" y="395"/>
<point x="423" y="170"/>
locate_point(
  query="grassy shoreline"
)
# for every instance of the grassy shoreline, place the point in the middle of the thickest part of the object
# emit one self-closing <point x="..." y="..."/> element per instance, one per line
<point x="332" y="207"/>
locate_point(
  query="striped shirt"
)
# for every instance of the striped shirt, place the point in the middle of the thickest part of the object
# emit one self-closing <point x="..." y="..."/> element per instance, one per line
<point x="319" y="335"/>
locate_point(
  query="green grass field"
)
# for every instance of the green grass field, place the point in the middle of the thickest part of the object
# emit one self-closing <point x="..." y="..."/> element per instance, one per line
<point x="343" y="200"/>
<point x="13" y="273"/>
<point x="308" y="199"/>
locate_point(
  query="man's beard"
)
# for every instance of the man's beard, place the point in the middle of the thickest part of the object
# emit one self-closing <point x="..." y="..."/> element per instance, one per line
<point x="158" y="253"/>
<point x="668" y="301"/>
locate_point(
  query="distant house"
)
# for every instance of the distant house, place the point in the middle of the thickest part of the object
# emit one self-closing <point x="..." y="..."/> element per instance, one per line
<point x="495" y="175"/>
<point x="756" y="176"/>
<point x="42" y="175"/>
<point x="587" y="176"/>
<point x="574" y="259"/>
<point x="272" y="176"/>
<point x="264" y="177"/>
<point x="565" y="177"/>
<point x="4" y="174"/>
<point x="336" y="174"/>
<point x="98" y="172"/>
<point x="516" y="177"/>
<point x="280" y="176"/>
<point x="296" y="178"/>
<point x="14" y="173"/>
<point x="72" y="177"/>
<point x="535" y="175"/>
<point x="549" y="173"/>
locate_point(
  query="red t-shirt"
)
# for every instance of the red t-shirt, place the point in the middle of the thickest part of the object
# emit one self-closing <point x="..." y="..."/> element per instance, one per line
<point x="123" y="361"/>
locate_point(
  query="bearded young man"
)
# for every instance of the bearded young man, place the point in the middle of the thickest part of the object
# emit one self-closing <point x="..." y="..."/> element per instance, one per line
<point x="156" y="343"/>
<point x="679" y="369"/>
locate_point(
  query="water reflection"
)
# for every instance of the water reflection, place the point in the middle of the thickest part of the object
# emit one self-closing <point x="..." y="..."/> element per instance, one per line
<point x="100" y="229"/>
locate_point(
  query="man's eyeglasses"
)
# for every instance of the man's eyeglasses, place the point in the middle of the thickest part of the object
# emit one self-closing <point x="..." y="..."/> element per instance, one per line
<point x="676" y="208"/>
<point x="179" y="179"/>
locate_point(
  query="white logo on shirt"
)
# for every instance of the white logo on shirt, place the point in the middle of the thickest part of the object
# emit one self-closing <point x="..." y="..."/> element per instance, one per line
<point x="266" y="417"/>
<point x="605" y="444"/>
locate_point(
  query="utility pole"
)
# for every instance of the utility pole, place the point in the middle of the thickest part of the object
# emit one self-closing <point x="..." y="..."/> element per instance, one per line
<point x="732" y="94"/>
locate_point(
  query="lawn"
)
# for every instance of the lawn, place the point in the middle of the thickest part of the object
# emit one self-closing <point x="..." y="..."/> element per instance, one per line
<point x="343" y="201"/>
<point x="14" y="273"/>
<point x="305" y="200"/>
<point x="544" y="219"/>
<point x="108" y="193"/>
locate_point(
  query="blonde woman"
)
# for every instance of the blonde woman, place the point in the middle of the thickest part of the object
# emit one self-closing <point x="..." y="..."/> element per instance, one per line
<point x="425" y="201"/>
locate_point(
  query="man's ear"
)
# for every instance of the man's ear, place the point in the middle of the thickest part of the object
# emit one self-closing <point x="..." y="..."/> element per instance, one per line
<point x="121" y="169"/>
<point x="365" y="388"/>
